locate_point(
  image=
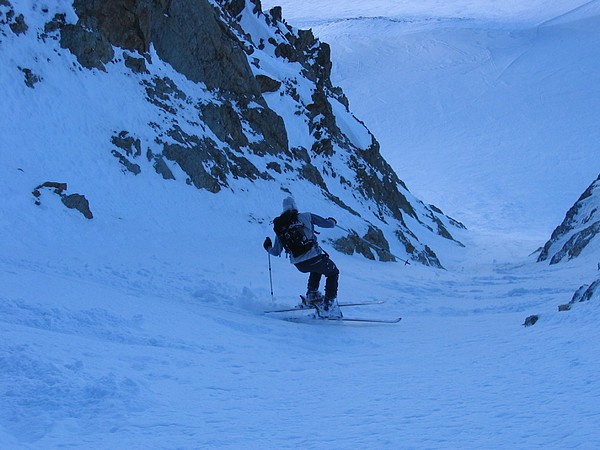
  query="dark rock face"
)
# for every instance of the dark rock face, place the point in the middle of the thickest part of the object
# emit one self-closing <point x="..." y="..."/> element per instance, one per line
<point x="267" y="84"/>
<point x="234" y="7"/>
<point x="162" y="168"/>
<point x="130" y="145"/>
<point x="372" y="241"/>
<point x="225" y="122"/>
<point x="91" y="48"/>
<point x="137" y="65"/>
<point x="78" y="202"/>
<point x="188" y="34"/>
<point x="131" y="148"/>
<point x="56" y="24"/>
<point x="580" y="226"/>
<point x="228" y="120"/>
<point x="206" y="164"/>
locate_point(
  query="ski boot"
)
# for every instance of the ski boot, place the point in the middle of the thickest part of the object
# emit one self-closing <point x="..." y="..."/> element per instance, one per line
<point x="328" y="309"/>
<point x="309" y="300"/>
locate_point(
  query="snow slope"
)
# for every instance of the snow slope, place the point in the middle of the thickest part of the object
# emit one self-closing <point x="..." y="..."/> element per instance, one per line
<point x="155" y="354"/>
<point x="143" y="328"/>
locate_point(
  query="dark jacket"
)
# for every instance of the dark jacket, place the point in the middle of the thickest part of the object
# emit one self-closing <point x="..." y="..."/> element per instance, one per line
<point x="309" y="220"/>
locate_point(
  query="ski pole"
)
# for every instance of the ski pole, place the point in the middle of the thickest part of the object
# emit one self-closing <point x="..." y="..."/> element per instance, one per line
<point x="271" y="278"/>
<point x="405" y="261"/>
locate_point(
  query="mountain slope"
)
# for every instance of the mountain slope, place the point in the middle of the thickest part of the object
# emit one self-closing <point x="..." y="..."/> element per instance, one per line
<point x="145" y="89"/>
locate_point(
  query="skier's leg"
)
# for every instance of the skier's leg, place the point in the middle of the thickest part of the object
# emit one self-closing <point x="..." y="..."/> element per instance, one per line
<point x="314" y="280"/>
<point x="332" y="275"/>
<point x="317" y="267"/>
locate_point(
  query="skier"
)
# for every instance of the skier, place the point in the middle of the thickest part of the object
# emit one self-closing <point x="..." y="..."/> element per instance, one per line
<point x="296" y="235"/>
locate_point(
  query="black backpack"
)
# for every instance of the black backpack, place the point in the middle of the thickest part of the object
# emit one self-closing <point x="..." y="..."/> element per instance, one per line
<point x="292" y="233"/>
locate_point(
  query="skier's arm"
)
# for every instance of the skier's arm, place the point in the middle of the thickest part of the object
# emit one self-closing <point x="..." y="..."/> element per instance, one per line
<point x="276" y="248"/>
<point x="319" y="221"/>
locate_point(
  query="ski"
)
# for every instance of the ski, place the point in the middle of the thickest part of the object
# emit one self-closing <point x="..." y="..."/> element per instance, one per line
<point x="287" y="310"/>
<point x="378" y="302"/>
<point x="342" y="319"/>
<point x="351" y="319"/>
<point x="308" y="308"/>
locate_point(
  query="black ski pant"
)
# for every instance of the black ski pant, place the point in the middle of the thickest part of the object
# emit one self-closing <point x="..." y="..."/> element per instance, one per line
<point x="317" y="267"/>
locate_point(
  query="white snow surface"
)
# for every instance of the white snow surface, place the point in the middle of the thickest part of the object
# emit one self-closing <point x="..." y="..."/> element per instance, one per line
<point x="143" y="328"/>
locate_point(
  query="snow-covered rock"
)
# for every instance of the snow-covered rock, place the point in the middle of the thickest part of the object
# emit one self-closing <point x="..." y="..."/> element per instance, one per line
<point x="586" y="292"/>
<point x="580" y="227"/>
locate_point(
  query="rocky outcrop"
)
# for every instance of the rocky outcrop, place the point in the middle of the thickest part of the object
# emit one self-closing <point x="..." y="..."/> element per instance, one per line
<point x="267" y="84"/>
<point x="580" y="226"/>
<point x="531" y="320"/>
<point x="16" y="22"/>
<point x="78" y="202"/>
<point x="72" y="201"/>
<point x="128" y="149"/>
<point x="188" y="34"/>
<point x="372" y="241"/>
<point x="585" y="293"/>
<point x="31" y="79"/>
<point x="91" y="48"/>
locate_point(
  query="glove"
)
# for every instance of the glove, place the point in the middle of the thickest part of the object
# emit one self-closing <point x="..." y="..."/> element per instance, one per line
<point x="268" y="244"/>
<point x="334" y="221"/>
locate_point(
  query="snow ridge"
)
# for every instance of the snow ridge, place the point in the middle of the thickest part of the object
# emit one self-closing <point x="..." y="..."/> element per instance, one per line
<point x="579" y="229"/>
